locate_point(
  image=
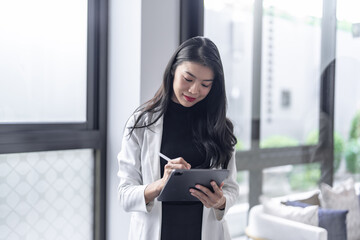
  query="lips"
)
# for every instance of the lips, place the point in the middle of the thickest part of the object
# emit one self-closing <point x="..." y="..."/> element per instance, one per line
<point x="189" y="99"/>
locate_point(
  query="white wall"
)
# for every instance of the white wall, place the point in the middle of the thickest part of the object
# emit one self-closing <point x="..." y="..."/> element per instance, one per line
<point x="123" y="96"/>
<point x="142" y="37"/>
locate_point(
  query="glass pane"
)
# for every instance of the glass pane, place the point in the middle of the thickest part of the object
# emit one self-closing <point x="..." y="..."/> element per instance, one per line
<point x="347" y="89"/>
<point x="47" y="195"/>
<point x="290" y="179"/>
<point x="43" y="59"/>
<point x="290" y="72"/>
<point x="229" y="23"/>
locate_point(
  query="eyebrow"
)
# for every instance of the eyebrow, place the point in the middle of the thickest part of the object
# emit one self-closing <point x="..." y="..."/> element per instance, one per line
<point x="208" y="80"/>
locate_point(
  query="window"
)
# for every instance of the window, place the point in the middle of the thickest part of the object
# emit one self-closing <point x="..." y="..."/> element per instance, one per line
<point x="279" y="68"/>
<point x="53" y="119"/>
<point x="272" y="88"/>
<point x="43" y="61"/>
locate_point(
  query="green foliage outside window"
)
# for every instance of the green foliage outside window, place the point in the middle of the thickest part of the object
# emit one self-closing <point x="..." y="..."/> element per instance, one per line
<point x="352" y="151"/>
<point x="301" y="177"/>
<point x="239" y="145"/>
<point x="355" y="127"/>
<point x="305" y="177"/>
<point x="352" y="156"/>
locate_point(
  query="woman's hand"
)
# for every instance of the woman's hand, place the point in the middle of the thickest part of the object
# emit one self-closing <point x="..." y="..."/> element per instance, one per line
<point x="210" y="199"/>
<point x="153" y="189"/>
<point x="177" y="163"/>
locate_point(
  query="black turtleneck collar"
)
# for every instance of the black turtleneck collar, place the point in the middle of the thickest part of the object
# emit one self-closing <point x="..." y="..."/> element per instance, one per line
<point x="179" y="109"/>
<point x="173" y="106"/>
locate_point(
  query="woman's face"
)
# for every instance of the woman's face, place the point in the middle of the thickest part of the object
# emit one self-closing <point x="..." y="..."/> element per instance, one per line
<point x="192" y="83"/>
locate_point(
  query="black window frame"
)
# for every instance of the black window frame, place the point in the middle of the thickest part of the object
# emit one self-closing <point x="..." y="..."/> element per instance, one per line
<point x="256" y="159"/>
<point x="92" y="134"/>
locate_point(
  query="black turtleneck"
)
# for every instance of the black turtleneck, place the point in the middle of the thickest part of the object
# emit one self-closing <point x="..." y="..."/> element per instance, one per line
<point x="181" y="220"/>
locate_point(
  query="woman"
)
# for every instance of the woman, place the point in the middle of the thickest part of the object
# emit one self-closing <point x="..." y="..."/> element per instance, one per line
<point x="186" y="121"/>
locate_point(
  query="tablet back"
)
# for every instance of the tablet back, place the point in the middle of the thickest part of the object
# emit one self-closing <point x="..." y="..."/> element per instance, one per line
<point x="180" y="181"/>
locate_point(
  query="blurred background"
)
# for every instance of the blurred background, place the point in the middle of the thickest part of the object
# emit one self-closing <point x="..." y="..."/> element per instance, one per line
<point x="72" y="72"/>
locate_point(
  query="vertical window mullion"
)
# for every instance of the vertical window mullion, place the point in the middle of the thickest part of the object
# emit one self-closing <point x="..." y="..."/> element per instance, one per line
<point x="92" y="65"/>
<point x="191" y="19"/>
<point x="256" y="75"/>
<point x="255" y="179"/>
<point x="327" y="91"/>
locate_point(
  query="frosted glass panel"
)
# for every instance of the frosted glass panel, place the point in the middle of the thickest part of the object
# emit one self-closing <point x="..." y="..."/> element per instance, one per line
<point x="47" y="195"/>
<point x="43" y="59"/>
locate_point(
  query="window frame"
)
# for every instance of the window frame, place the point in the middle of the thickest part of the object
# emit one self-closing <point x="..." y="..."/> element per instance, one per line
<point x="92" y="134"/>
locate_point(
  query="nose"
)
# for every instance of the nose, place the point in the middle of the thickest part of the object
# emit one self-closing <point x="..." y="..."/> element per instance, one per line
<point x="195" y="88"/>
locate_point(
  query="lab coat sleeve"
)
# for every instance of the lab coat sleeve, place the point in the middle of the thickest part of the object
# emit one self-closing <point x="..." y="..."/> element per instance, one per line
<point x="230" y="189"/>
<point x="131" y="188"/>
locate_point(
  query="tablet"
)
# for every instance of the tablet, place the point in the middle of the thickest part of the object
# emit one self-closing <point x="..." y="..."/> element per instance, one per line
<point x="180" y="181"/>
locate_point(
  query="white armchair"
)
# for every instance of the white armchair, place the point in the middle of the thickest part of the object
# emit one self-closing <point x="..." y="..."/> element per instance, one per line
<point x="262" y="226"/>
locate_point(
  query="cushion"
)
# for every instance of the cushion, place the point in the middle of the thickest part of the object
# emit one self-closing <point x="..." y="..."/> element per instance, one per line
<point x="334" y="221"/>
<point x="307" y="215"/>
<point x="312" y="200"/>
<point x="343" y="197"/>
<point x="296" y="204"/>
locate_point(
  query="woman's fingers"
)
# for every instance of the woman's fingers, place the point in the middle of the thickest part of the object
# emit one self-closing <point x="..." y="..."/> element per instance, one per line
<point x="177" y="166"/>
<point x="201" y="196"/>
<point x="217" y="189"/>
<point x="178" y="163"/>
<point x="214" y="199"/>
<point x="181" y="162"/>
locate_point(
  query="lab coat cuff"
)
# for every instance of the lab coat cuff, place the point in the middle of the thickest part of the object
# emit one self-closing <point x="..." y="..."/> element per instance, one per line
<point x="149" y="205"/>
<point x="219" y="213"/>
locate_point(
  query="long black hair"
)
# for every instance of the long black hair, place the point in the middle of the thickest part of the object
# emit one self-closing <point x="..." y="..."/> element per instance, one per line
<point x="212" y="130"/>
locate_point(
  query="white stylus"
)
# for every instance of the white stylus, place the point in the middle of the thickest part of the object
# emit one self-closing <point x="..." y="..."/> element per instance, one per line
<point x="164" y="157"/>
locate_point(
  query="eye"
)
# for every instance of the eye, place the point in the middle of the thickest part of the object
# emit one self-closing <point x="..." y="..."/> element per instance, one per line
<point x="188" y="80"/>
<point x="206" y="84"/>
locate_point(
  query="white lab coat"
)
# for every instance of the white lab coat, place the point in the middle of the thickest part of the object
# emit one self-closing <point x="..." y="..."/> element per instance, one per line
<point x="139" y="165"/>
